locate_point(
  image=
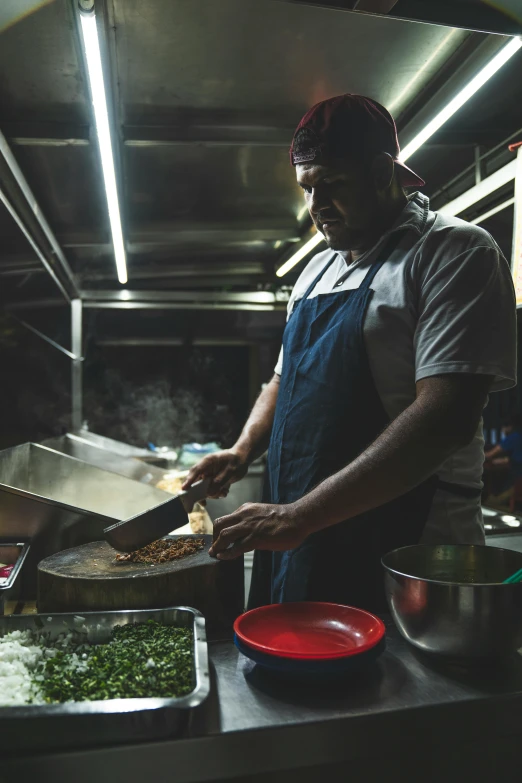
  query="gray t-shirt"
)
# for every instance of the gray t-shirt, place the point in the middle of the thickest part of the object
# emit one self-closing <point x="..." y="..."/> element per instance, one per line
<point x="442" y="303"/>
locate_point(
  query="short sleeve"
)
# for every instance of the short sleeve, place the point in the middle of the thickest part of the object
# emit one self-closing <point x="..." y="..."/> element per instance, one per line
<point x="466" y="317"/>
<point x="279" y="366"/>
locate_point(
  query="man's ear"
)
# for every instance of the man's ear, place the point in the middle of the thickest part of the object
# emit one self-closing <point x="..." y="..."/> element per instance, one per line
<point x="383" y="168"/>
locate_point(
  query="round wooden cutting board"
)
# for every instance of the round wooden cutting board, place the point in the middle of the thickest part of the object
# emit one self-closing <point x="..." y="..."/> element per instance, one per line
<point x="89" y="578"/>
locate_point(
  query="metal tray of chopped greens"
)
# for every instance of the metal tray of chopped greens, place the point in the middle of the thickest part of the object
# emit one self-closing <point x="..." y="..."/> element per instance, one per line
<point x="104" y="721"/>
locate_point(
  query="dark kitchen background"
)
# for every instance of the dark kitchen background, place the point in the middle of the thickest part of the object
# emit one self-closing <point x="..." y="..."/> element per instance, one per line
<point x="155" y="389"/>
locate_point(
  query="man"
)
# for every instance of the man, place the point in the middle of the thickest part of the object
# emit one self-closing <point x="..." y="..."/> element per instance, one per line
<point x="395" y="336"/>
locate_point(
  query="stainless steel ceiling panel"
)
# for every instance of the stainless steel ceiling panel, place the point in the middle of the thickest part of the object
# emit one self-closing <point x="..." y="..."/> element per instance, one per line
<point x="67" y="181"/>
<point x="217" y="183"/>
<point x="39" y="67"/>
<point x="201" y="61"/>
<point x="206" y="93"/>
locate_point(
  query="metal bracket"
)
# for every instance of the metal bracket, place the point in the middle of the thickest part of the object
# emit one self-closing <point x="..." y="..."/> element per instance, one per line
<point x="43" y="336"/>
<point x="28" y="195"/>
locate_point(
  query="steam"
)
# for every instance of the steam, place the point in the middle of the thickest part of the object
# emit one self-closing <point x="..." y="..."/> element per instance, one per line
<point x="156" y="413"/>
<point x="200" y="401"/>
<point x="195" y="407"/>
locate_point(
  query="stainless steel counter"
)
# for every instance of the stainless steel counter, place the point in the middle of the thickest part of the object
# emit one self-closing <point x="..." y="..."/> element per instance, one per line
<point x="409" y="718"/>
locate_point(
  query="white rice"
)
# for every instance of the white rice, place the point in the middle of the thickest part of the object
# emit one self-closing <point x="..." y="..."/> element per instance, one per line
<point x="20" y="658"/>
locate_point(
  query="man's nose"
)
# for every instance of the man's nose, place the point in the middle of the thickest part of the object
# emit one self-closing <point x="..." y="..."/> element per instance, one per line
<point x="318" y="200"/>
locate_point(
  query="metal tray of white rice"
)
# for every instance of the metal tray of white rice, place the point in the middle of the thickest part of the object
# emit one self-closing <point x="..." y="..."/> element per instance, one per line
<point x="29" y="723"/>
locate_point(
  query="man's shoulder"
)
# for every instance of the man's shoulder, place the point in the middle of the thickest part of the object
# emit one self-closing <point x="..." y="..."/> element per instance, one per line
<point x="456" y="253"/>
<point x="450" y="234"/>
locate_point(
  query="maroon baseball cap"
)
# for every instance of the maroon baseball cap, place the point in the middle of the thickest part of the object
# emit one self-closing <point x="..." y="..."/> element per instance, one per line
<point x="349" y="124"/>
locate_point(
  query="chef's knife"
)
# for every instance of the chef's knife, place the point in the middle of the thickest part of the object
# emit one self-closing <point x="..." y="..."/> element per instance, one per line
<point x="144" y="528"/>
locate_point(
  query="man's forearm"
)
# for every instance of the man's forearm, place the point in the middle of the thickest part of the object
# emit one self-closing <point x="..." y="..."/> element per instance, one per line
<point x="255" y="436"/>
<point x="410" y="450"/>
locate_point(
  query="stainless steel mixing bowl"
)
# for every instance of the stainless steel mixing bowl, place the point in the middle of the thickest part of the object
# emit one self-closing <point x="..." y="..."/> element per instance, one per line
<point x="450" y="600"/>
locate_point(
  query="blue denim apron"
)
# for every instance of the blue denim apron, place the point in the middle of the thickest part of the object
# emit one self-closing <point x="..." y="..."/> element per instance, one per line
<point x="328" y="411"/>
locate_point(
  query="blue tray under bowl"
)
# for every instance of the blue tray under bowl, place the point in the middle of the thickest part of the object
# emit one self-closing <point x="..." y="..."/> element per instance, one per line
<point x="333" y="667"/>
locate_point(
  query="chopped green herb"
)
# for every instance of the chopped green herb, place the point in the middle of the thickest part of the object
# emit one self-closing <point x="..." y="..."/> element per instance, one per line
<point x="141" y="660"/>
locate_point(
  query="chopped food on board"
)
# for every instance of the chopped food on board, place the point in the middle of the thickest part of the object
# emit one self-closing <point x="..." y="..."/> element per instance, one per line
<point x="163" y="551"/>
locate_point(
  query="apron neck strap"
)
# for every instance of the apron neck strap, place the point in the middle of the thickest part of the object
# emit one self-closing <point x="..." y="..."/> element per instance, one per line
<point x="385" y="252"/>
<point x="319" y="276"/>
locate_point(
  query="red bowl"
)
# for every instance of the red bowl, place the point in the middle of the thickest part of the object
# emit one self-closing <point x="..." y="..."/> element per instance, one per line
<point x="310" y="630"/>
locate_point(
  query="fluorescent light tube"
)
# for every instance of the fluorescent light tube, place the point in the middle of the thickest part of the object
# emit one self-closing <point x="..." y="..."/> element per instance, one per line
<point x="481" y="190"/>
<point x="101" y="117"/>
<point x="493" y="211"/>
<point x="299" y="254"/>
<point x="302" y="212"/>
<point x="462" y="97"/>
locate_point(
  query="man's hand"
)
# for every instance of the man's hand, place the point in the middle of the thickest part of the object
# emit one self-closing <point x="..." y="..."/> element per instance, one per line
<point x="223" y="468"/>
<point x="257" y="526"/>
<point x="227" y="467"/>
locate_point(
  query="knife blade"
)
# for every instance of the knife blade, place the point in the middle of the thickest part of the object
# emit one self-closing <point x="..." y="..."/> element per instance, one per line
<point x="148" y="526"/>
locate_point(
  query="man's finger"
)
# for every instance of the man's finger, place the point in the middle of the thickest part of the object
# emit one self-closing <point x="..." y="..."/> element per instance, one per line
<point x="225" y="522"/>
<point x="226" y="537"/>
<point x="215" y="489"/>
<point x="193" y="475"/>
<point x="221" y="482"/>
<point x="202" y="470"/>
<point x="246" y="544"/>
<point x="214" y="494"/>
<point x="224" y="475"/>
<point x="188" y="481"/>
<point x="222" y="493"/>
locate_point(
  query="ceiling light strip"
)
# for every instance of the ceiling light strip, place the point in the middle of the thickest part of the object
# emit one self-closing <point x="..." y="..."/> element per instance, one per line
<point x="467" y="92"/>
<point x="101" y="117"/>
<point x="301" y="253"/>
<point x="493" y="211"/>
<point x="481" y="190"/>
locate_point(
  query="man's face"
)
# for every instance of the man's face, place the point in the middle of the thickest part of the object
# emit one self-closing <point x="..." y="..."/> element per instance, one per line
<point x="343" y="201"/>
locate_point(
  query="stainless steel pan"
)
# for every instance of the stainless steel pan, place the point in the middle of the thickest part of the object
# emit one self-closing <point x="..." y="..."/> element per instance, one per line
<point x="93" y="723"/>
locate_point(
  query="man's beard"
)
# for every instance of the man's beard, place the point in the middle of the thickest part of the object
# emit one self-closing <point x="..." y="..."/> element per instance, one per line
<point x="341" y="240"/>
